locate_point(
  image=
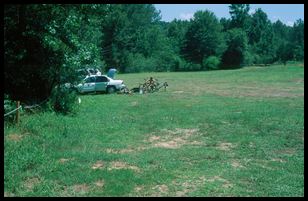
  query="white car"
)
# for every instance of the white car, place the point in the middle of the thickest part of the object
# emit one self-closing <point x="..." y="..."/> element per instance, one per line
<point x="100" y="83"/>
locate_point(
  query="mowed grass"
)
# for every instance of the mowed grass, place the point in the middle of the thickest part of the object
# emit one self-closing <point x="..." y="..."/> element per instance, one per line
<point x="219" y="133"/>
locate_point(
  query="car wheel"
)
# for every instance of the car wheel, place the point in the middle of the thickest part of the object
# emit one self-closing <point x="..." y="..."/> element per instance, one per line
<point x="111" y="90"/>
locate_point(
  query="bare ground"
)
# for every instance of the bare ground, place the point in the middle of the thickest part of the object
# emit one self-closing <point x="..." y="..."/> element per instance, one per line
<point x="117" y="165"/>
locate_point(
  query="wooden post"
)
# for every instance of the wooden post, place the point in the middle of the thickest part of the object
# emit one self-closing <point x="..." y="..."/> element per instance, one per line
<point x="17" y="112"/>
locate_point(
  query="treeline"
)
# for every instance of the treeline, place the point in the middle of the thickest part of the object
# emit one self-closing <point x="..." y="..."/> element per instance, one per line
<point x="45" y="44"/>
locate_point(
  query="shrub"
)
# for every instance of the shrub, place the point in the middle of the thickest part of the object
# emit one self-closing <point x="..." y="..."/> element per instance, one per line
<point x="63" y="100"/>
<point x="211" y="63"/>
<point x="248" y="59"/>
<point x="139" y="63"/>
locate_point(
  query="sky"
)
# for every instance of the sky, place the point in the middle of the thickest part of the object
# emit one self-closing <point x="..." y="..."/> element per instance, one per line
<point x="287" y="13"/>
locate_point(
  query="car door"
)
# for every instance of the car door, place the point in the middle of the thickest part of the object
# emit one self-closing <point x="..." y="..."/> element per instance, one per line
<point x="101" y="83"/>
<point x="89" y="84"/>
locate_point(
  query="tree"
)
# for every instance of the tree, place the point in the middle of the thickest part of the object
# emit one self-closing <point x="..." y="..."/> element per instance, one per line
<point x="45" y="44"/>
<point x="237" y="41"/>
<point x="297" y="38"/>
<point x="239" y="15"/>
<point x="211" y="63"/>
<point x="203" y="38"/>
<point x="281" y="37"/>
<point x="226" y="24"/>
<point x="281" y="30"/>
<point x="261" y="38"/>
<point x="27" y="56"/>
<point x="285" y="52"/>
<point x="176" y="31"/>
<point x="266" y="47"/>
<point x="259" y="22"/>
<point x="126" y="32"/>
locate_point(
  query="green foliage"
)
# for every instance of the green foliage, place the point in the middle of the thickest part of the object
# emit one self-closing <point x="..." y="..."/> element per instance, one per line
<point x="239" y="15"/>
<point x="236" y="41"/>
<point x="258" y="24"/>
<point x="226" y="24"/>
<point x="211" y="63"/>
<point x="249" y="57"/>
<point x="176" y="31"/>
<point x="63" y="100"/>
<point x="138" y="63"/>
<point x="261" y="38"/>
<point x="297" y="38"/>
<point x="285" y="53"/>
<point x="161" y="61"/>
<point x="132" y="29"/>
<point x="42" y="52"/>
<point x="204" y="37"/>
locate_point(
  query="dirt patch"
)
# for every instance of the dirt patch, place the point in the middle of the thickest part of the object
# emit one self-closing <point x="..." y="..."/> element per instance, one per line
<point x="80" y="188"/>
<point x="118" y="165"/>
<point x="134" y="103"/>
<point x="187" y="132"/>
<point x="263" y="164"/>
<point x="178" y="92"/>
<point x="75" y="190"/>
<point x="138" y="189"/>
<point x="98" y="165"/>
<point x="30" y="183"/>
<point x="100" y="183"/>
<point x="120" y="151"/>
<point x="215" y="178"/>
<point x="125" y="151"/>
<point x="169" y="139"/>
<point x="173" y="139"/>
<point x="14" y="137"/>
<point x="153" y="138"/>
<point x="286" y="151"/>
<point x="278" y="160"/>
<point x="64" y="160"/>
<point x="236" y="164"/>
<point x="225" y="146"/>
<point x="160" y="190"/>
<point x="172" y="144"/>
<point x="8" y="194"/>
<point x="226" y="183"/>
<point x="150" y="191"/>
<point x="182" y="193"/>
<point x="188" y="186"/>
<point x="298" y="81"/>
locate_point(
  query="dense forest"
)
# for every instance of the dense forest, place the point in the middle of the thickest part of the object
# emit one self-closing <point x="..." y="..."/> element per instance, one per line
<point x="44" y="44"/>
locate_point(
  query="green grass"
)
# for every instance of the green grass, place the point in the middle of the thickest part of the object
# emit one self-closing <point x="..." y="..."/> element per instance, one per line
<point x="218" y="133"/>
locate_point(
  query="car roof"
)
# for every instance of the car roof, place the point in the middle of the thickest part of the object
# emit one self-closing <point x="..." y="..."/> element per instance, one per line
<point x="97" y="76"/>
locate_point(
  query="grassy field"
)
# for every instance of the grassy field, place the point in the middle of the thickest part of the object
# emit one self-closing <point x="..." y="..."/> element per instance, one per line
<point x="219" y="133"/>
